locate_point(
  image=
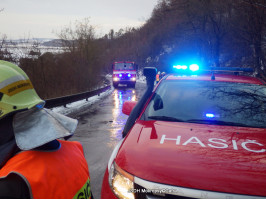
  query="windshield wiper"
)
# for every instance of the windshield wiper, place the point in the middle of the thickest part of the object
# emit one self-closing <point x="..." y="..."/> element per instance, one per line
<point x="165" y="118"/>
<point x="216" y="122"/>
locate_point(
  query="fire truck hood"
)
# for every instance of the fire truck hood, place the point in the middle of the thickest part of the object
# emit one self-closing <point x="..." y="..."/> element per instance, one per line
<point x="199" y="156"/>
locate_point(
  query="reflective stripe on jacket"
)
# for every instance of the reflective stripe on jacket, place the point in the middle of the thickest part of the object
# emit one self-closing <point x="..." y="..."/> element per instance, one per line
<point x="157" y="77"/>
<point x="52" y="175"/>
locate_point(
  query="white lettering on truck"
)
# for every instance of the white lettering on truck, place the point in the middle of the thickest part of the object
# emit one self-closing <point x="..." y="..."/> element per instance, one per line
<point x="197" y="141"/>
<point x="244" y="145"/>
<point x="216" y="143"/>
<point x="234" y="145"/>
<point x="220" y="144"/>
<point x="177" y="139"/>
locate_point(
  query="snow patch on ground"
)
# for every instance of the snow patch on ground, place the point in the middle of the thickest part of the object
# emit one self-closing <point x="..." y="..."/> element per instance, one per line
<point x="141" y="78"/>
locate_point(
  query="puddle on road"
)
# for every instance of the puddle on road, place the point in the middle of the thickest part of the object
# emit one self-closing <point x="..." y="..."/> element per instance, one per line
<point x="119" y="119"/>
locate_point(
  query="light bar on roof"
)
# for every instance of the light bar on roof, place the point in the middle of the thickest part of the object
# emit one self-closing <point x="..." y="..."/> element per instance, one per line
<point x="192" y="67"/>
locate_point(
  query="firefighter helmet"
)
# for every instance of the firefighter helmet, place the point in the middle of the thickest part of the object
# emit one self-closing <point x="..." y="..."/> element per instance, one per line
<point x="16" y="90"/>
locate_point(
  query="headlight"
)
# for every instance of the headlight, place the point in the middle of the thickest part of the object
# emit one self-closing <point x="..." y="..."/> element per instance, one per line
<point x="133" y="79"/>
<point x="121" y="182"/>
<point x="116" y="79"/>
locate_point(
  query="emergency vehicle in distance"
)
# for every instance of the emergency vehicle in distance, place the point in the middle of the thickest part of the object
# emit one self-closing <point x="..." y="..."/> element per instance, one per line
<point x="199" y="135"/>
<point x="124" y="72"/>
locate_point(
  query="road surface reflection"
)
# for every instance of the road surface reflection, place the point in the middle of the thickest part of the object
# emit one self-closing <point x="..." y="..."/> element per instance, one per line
<point x="119" y="119"/>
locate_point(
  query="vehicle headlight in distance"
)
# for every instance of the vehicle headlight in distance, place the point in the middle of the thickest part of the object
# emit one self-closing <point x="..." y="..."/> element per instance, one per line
<point x="121" y="182"/>
<point x="116" y="79"/>
<point x="133" y="79"/>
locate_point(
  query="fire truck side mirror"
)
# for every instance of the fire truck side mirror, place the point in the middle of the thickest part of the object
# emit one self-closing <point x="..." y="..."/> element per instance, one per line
<point x="150" y="74"/>
<point x="128" y="107"/>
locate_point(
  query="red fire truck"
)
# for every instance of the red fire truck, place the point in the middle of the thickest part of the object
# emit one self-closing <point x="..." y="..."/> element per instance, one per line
<point x="198" y="134"/>
<point x="124" y="72"/>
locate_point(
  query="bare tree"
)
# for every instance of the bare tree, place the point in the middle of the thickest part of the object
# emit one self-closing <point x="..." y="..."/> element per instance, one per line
<point x="251" y="26"/>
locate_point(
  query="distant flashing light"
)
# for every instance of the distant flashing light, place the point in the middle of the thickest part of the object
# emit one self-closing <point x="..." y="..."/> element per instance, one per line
<point x="129" y="75"/>
<point x="194" y="67"/>
<point x="120" y="75"/>
<point x="209" y="115"/>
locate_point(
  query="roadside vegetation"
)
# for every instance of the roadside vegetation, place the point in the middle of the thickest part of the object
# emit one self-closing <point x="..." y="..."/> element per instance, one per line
<point x="229" y="33"/>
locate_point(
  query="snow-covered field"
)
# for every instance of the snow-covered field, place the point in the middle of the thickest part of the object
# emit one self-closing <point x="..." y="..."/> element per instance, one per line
<point x="22" y="51"/>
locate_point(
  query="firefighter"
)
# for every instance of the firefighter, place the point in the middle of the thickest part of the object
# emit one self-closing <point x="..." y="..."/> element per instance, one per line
<point x="158" y="77"/>
<point x="35" y="161"/>
<point x="163" y="74"/>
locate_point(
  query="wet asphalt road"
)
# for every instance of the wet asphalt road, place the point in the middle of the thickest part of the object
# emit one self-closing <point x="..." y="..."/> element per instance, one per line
<point x="100" y="128"/>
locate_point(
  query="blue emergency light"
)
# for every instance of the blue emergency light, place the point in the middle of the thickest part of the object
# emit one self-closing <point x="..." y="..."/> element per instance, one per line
<point x="184" y="67"/>
<point x="120" y="75"/>
<point x="195" y="67"/>
<point x="129" y="75"/>
<point x="209" y="115"/>
<point x="192" y="67"/>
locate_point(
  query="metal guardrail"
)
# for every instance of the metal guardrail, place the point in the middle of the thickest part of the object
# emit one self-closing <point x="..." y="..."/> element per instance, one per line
<point x="63" y="101"/>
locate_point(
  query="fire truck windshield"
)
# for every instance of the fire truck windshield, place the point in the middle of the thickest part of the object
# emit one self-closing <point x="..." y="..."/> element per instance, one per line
<point x="124" y="66"/>
<point x="220" y="103"/>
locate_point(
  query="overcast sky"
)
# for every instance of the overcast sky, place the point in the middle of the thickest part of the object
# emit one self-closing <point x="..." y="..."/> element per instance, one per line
<point x="44" y="18"/>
